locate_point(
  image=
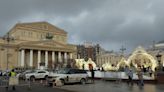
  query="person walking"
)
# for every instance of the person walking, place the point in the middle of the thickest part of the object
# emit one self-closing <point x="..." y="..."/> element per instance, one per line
<point x="12" y="80"/>
<point x="130" y="77"/>
<point x="92" y="75"/>
<point x="140" y="77"/>
<point x="150" y="71"/>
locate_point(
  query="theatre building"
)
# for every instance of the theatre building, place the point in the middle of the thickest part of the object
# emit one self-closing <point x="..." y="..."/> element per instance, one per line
<point x="35" y="45"/>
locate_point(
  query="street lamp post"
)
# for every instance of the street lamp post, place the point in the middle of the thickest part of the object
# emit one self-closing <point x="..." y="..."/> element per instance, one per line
<point x="122" y="51"/>
<point x="7" y="38"/>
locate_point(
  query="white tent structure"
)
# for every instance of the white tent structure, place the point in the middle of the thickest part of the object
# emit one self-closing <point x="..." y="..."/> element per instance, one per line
<point x="140" y="51"/>
<point x="108" y="67"/>
<point x="81" y="63"/>
<point x="122" y="62"/>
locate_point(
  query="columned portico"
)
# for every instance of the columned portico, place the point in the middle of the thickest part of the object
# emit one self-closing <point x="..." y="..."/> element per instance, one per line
<point x="33" y="58"/>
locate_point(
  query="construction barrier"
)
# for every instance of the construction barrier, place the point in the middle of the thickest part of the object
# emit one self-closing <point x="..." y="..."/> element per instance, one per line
<point x="6" y="81"/>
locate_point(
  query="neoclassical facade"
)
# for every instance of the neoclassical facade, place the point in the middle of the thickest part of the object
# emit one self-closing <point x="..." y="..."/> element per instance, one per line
<point x="34" y="45"/>
<point x="105" y="58"/>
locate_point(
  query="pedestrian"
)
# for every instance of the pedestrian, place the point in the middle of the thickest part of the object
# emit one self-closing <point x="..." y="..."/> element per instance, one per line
<point x="92" y="75"/>
<point x="140" y="77"/>
<point x="83" y="66"/>
<point x="102" y="69"/>
<point x="12" y="80"/>
<point x="155" y="73"/>
<point x="126" y="69"/>
<point x="130" y="77"/>
<point x="150" y="72"/>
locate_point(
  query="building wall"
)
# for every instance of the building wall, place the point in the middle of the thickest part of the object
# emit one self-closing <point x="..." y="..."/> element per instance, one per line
<point x="87" y="52"/>
<point x="30" y="35"/>
<point x="12" y="57"/>
<point x="33" y="36"/>
<point x="110" y="58"/>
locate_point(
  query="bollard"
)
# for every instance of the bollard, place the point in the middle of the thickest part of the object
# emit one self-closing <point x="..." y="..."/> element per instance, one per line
<point x="58" y="83"/>
<point x="41" y="81"/>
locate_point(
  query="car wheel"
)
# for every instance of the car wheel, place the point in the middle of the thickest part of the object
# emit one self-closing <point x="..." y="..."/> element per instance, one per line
<point x="83" y="81"/>
<point x="32" y="78"/>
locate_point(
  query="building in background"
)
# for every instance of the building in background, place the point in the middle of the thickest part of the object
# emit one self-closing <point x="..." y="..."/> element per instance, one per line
<point x="157" y="49"/>
<point x="35" y="45"/>
<point x="99" y="55"/>
<point x="87" y="50"/>
<point x="108" y="57"/>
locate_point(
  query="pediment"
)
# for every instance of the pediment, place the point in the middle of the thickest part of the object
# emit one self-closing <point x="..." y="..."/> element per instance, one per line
<point x="46" y="43"/>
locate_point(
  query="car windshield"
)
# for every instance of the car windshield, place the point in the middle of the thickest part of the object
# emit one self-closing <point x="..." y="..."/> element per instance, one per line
<point x="32" y="71"/>
<point x="63" y="71"/>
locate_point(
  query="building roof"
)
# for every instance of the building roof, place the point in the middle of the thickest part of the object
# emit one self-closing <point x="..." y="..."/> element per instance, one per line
<point x="43" y="25"/>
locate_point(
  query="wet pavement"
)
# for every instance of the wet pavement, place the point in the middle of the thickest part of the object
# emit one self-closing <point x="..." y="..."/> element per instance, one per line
<point x="34" y="88"/>
<point x="98" y="86"/>
<point x="108" y="86"/>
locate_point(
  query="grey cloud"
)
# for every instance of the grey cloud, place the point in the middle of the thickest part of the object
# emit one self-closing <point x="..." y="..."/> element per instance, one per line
<point x="112" y="23"/>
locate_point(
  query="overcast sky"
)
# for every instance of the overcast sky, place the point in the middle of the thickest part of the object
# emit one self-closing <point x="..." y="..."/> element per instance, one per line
<point x="111" y="23"/>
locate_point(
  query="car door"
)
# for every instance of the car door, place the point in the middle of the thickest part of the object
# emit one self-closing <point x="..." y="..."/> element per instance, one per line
<point x="41" y="74"/>
<point x="78" y="75"/>
<point x="70" y="76"/>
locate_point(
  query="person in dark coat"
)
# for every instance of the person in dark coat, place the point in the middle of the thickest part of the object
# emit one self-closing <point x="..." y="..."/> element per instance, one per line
<point x="92" y="75"/>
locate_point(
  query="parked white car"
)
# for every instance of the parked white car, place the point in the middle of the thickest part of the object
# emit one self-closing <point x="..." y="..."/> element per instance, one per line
<point x="69" y="75"/>
<point x="37" y="74"/>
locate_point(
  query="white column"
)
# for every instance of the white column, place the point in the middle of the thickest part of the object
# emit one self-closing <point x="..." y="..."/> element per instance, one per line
<point x="31" y="58"/>
<point x="22" y="57"/>
<point x="59" y="57"/>
<point x="65" y="57"/>
<point x="70" y="55"/>
<point x="39" y="59"/>
<point x="53" y="57"/>
<point x="46" y="59"/>
<point x="19" y="58"/>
